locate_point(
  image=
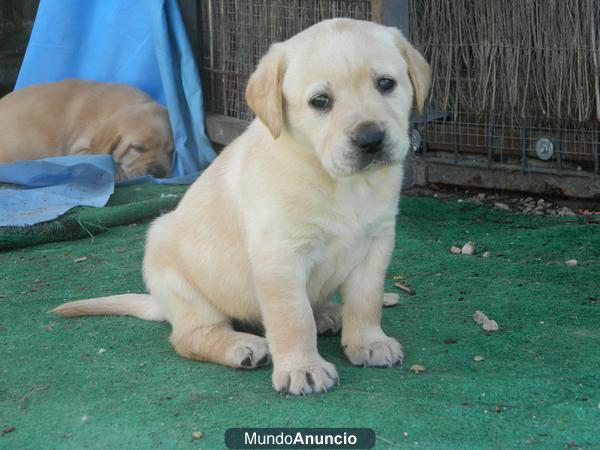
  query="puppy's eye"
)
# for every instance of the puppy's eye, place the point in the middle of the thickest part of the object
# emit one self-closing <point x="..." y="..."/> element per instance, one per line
<point x="138" y="148"/>
<point x="385" y="84"/>
<point x="320" y="102"/>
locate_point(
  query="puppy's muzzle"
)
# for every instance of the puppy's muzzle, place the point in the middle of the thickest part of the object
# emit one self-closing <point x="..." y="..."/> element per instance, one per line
<point x="368" y="137"/>
<point x="371" y="147"/>
<point x="157" y="171"/>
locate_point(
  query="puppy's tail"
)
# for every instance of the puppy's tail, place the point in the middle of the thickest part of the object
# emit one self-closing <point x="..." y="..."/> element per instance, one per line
<point x="138" y="305"/>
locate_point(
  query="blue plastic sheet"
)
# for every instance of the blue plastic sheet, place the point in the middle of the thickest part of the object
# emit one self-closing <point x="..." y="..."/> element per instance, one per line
<point x="142" y="43"/>
<point x="138" y="42"/>
<point x="37" y="191"/>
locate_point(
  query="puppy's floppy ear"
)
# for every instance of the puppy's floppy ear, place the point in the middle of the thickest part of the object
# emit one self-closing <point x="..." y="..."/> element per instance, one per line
<point x="419" y="70"/>
<point x="263" y="93"/>
<point x="105" y="139"/>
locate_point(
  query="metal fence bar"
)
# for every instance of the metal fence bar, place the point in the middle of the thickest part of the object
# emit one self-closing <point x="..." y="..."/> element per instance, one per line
<point x="596" y="152"/>
<point x="489" y="143"/>
<point x="524" y="149"/>
<point x="558" y="149"/>
<point x="455" y="127"/>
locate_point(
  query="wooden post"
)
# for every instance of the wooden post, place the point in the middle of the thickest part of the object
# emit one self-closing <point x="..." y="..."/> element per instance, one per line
<point x="396" y="13"/>
<point x="393" y="13"/>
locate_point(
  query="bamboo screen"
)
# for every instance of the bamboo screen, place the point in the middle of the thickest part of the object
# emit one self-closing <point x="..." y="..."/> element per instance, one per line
<point x="506" y="73"/>
<point x="509" y="72"/>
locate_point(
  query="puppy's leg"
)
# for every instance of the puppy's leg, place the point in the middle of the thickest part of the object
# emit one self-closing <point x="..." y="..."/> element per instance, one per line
<point x="328" y="318"/>
<point x="202" y="332"/>
<point x="290" y="328"/>
<point x="363" y="340"/>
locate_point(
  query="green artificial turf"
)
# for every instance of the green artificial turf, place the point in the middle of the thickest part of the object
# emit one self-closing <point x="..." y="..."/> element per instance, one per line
<point x="126" y="205"/>
<point x="115" y="382"/>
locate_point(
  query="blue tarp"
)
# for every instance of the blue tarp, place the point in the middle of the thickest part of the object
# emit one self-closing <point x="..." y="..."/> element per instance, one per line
<point x="42" y="190"/>
<point x="139" y="42"/>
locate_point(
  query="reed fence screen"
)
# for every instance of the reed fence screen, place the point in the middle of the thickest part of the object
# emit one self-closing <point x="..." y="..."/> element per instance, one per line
<point x="510" y="75"/>
<point x="515" y="82"/>
<point x="236" y="33"/>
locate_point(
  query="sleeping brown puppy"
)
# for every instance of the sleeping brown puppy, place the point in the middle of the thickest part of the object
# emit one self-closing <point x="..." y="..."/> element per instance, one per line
<point x="86" y="117"/>
<point x="301" y="206"/>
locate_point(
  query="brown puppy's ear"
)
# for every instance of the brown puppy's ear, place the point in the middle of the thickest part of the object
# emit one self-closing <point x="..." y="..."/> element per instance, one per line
<point x="105" y="139"/>
<point x="263" y="93"/>
<point x="419" y="70"/>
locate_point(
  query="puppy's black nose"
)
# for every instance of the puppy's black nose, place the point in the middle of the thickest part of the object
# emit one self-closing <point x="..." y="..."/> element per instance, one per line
<point x="157" y="171"/>
<point x="369" y="137"/>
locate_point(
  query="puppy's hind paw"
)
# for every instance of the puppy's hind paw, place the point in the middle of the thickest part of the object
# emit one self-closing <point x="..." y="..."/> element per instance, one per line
<point x="328" y="318"/>
<point x="250" y="353"/>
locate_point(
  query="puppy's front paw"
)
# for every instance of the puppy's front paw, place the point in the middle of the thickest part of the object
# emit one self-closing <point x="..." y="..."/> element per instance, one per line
<point x="328" y="318"/>
<point x="381" y="352"/>
<point x="250" y="352"/>
<point x="305" y="378"/>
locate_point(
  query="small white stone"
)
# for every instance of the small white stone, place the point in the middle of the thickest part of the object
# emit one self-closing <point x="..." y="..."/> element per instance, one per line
<point x="102" y="350"/>
<point x="197" y="434"/>
<point x="486" y="254"/>
<point x="486" y="323"/>
<point x="490" y="325"/>
<point x="390" y="299"/>
<point x="478" y="358"/>
<point x="455" y="250"/>
<point x="571" y="262"/>
<point x="479" y="317"/>
<point x="468" y="248"/>
<point x="564" y="211"/>
<point x="501" y="206"/>
<point x="417" y="368"/>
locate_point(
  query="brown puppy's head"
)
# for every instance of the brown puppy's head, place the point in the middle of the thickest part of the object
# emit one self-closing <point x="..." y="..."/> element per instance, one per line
<point x="343" y="88"/>
<point x="139" y="139"/>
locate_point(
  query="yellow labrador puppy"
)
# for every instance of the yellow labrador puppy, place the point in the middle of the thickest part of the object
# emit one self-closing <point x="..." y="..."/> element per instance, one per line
<point x="300" y="206"/>
<point x="87" y="117"/>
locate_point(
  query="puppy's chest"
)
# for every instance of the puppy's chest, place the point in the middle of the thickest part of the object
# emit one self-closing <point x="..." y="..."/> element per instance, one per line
<point x="346" y="240"/>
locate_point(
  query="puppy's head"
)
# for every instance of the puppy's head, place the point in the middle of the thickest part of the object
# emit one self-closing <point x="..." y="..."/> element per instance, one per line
<point x="139" y="139"/>
<point x="343" y="88"/>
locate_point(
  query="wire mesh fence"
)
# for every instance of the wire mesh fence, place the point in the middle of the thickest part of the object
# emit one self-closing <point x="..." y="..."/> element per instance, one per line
<point x="517" y="81"/>
<point x="236" y="33"/>
<point x="503" y="141"/>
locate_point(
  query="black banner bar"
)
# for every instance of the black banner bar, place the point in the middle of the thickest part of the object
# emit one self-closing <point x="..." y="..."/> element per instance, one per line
<point x="261" y="438"/>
